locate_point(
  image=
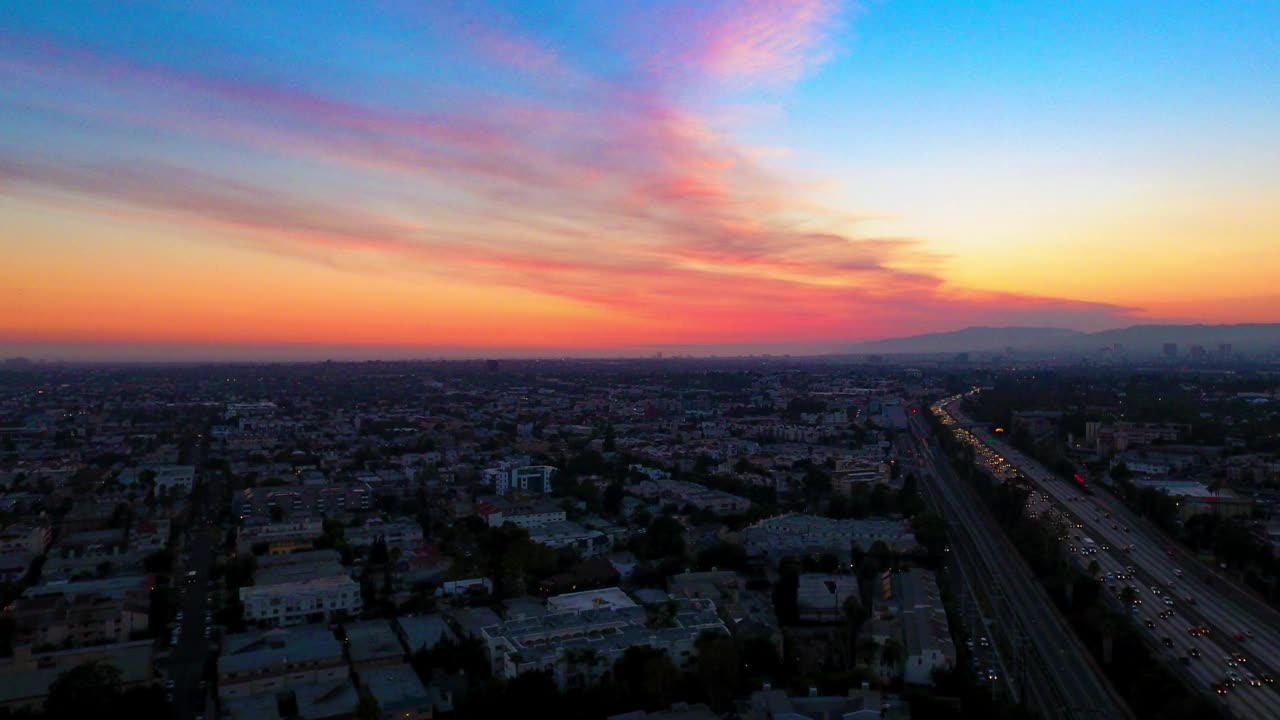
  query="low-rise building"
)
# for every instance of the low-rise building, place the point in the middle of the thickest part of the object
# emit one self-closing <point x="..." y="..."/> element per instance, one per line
<point x="25" y="676"/>
<point x="578" y="647"/>
<point x="798" y="534"/>
<point x="300" y="601"/>
<point x="373" y="643"/>
<point x="821" y="597"/>
<point x="422" y="632"/>
<point x="327" y="701"/>
<point x="400" y="694"/>
<point x="267" y="662"/>
<point x="401" y="534"/>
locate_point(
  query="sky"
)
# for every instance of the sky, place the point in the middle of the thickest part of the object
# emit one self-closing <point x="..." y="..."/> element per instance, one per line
<point x="297" y="180"/>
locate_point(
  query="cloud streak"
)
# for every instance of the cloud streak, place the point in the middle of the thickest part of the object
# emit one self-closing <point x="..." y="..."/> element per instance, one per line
<point x="610" y="191"/>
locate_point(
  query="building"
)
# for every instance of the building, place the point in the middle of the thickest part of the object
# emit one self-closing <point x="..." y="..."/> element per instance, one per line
<point x="687" y="493"/>
<point x="422" y="632"/>
<point x="534" y="479"/>
<point x="401" y="534"/>
<point x="303" y="565"/>
<point x="907" y="608"/>
<point x="1195" y="498"/>
<point x="578" y="647"/>
<point x="866" y="704"/>
<point x="25" y="539"/>
<point x="301" y="601"/>
<point x="373" y="643"/>
<point x="747" y="613"/>
<point x="327" y="701"/>
<point x="821" y="597"/>
<point x="25" y="676"/>
<point x="174" y="479"/>
<point x="797" y="534"/>
<point x="270" y="661"/>
<point x="571" y="535"/>
<point x="854" y="472"/>
<point x="589" y="600"/>
<point x="279" y="538"/>
<point x="400" y="694"/>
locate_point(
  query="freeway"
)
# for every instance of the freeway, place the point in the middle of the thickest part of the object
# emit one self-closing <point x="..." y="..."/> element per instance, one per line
<point x="1062" y="680"/>
<point x="1168" y="579"/>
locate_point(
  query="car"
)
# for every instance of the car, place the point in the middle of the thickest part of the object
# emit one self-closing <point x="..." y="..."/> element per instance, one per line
<point x="1155" y="590"/>
<point x="1240" y="658"/>
<point x="1168" y="641"/>
<point x="170" y="684"/>
<point x="1267" y="679"/>
<point x="1231" y="662"/>
<point x="1235" y="677"/>
<point x="168" y="697"/>
<point x="1248" y="633"/>
<point x="1130" y="570"/>
<point x="992" y="674"/>
<point x="1252" y="680"/>
<point x="1194" y="652"/>
<point x="1204" y="630"/>
<point x="1168" y="601"/>
<point x="1177" y="571"/>
<point x="1149" y="624"/>
<point x="984" y="642"/>
<point x="181" y="616"/>
<point x="1238" y="637"/>
<point x="1228" y="683"/>
<point x="1219" y="688"/>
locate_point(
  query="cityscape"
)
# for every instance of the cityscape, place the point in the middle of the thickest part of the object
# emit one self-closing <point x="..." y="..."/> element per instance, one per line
<point x="726" y="360"/>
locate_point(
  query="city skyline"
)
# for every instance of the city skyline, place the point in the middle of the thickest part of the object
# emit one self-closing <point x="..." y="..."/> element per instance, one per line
<point x="411" y="180"/>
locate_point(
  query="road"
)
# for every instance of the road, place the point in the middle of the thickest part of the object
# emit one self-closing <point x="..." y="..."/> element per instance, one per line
<point x="1161" y="567"/>
<point x="1062" y="681"/>
<point x="186" y="663"/>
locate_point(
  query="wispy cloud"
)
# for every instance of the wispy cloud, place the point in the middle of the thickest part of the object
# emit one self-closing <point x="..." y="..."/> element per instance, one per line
<point x="609" y="191"/>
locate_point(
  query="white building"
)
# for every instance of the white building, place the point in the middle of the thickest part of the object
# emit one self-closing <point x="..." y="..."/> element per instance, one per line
<point x="525" y="478"/>
<point x="174" y="478"/>
<point x="294" y="603"/>
<point x="403" y="534"/>
<point x="579" y="647"/>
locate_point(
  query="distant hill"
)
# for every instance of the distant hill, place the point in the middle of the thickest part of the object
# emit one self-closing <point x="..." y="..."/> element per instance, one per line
<point x="973" y="339"/>
<point x="1134" y="340"/>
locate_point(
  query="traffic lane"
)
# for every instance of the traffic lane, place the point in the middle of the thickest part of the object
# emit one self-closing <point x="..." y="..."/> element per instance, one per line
<point x="1227" y="616"/>
<point x="189" y="656"/>
<point x="1050" y="638"/>
<point x="1202" y="673"/>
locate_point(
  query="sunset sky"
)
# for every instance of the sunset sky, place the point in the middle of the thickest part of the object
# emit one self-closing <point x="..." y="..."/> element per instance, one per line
<point x="420" y="178"/>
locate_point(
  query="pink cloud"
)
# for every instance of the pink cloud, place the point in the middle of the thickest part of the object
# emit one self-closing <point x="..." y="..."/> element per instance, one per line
<point x="608" y="193"/>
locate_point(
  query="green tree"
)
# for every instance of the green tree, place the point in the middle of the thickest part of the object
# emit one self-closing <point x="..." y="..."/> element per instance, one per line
<point x="612" y="501"/>
<point x="83" y="691"/>
<point x="719" y="669"/>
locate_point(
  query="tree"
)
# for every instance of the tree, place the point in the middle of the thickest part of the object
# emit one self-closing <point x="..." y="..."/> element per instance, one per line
<point x="665" y="538"/>
<point x="83" y="691"/>
<point x="719" y="669"/>
<point x="612" y="501"/>
<point x="892" y="654"/>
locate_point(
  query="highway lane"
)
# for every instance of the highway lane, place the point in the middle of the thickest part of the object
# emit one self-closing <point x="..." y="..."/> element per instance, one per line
<point x="1203" y="670"/>
<point x="1105" y="519"/>
<point x="1223" y="613"/>
<point x="1066" y="663"/>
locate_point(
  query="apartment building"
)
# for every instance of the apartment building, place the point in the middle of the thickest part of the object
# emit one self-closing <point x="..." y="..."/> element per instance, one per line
<point x="301" y="601"/>
<point x="267" y="662"/>
<point x="578" y="646"/>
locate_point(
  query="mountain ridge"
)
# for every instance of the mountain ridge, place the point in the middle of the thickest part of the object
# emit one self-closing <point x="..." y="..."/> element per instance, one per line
<point x="1147" y="338"/>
